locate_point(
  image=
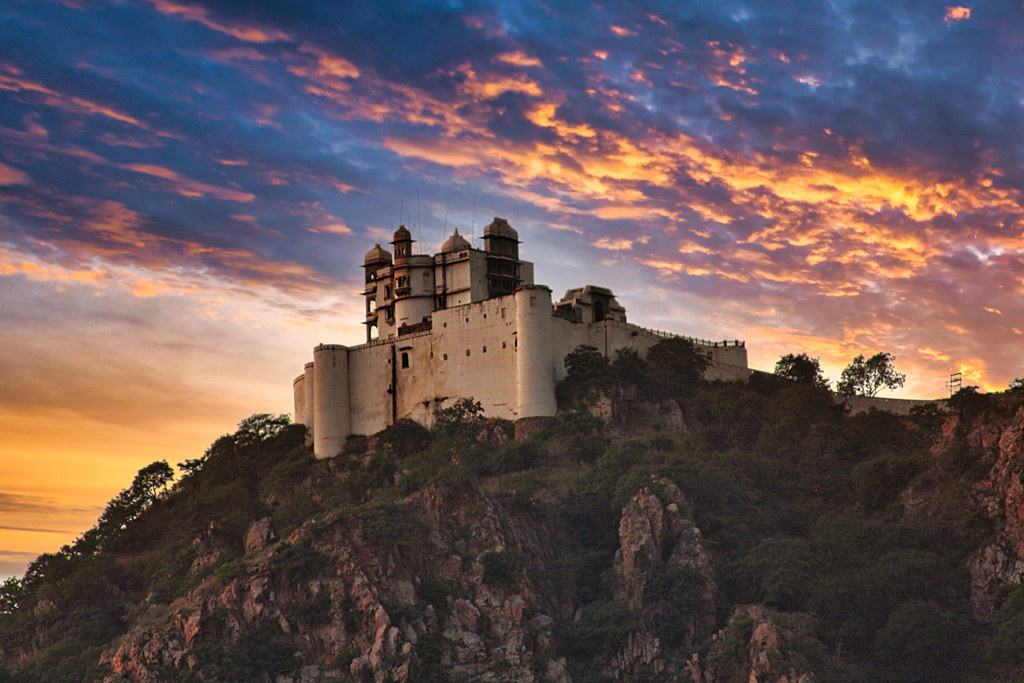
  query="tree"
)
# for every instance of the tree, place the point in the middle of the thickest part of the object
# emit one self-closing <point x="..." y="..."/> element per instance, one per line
<point x="259" y="428"/>
<point x="1017" y="385"/>
<point x="674" y="366"/>
<point x="801" y="368"/>
<point x="585" y="365"/>
<point x="868" y="377"/>
<point x="11" y="595"/>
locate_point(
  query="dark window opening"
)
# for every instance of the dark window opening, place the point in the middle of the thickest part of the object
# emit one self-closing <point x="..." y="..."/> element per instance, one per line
<point x="405" y="359"/>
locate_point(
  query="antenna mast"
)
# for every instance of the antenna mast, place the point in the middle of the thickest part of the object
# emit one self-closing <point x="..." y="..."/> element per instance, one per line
<point x="955" y="382"/>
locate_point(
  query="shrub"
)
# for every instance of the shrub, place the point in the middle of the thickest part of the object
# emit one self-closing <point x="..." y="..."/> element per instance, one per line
<point x="501" y="568"/>
<point x="602" y="629"/>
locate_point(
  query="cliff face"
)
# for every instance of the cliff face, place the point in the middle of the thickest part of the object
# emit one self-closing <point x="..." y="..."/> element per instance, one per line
<point x="994" y="442"/>
<point x="438" y="586"/>
<point x="760" y="534"/>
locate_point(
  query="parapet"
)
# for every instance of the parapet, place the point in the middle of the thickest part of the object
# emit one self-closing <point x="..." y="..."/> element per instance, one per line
<point x="330" y="347"/>
<point x="300" y="378"/>
<point x="307" y="365"/>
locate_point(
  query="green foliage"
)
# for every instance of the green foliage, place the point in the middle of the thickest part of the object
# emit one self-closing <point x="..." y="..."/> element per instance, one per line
<point x="602" y="629"/>
<point x="11" y="596"/>
<point x="407" y="437"/>
<point x="670" y="597"/>
<point x="463" y="412"/>
<point x="1007" y="643"/>
<point x="260" y="428"/>
<point x="867" y="377"/>
<point x="674" y="366"/>
<point x="501" y="568"/>
<point x="920" y="641"/>
<point x="968" y="401"/>
<point x="588" y="374"/>
<point x="262" y="652"/>
<point x="801" y="368"/>
<point x="879" y="481"/>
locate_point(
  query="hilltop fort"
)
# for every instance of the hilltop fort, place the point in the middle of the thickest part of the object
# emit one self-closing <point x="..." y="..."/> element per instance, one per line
<point x="465" y="323"/>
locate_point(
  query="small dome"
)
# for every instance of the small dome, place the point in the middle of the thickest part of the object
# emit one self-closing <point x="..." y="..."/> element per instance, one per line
<point x="455" y="242"/>
<point x="499" y="227"/>
<point x="402" y="234"/>
<point x="377" y="255"/>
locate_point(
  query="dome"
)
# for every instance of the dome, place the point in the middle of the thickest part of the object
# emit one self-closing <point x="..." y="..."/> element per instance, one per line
<point x="499" y="227"/>
<point x="402" y="234"/>
<point x="377" y="255"/>
<point x="455" y="242"/>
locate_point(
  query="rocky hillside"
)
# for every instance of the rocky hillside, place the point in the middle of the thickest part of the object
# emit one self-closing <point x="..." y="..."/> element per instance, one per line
<point x="695" y="532"/>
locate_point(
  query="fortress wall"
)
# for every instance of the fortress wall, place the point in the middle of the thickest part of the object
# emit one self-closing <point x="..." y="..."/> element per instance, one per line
<point x="487" y="376"/>
<point x="440" y="371"/>
<point x="369" y="376"/>
<point x="899" y="406"/>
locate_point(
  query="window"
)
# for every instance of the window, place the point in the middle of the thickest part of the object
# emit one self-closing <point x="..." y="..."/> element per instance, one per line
<point x="446" y="356"/>
<point x="405" y="359"/>
<point x="485" y="350"/>
<point x="467" y="352"/>
<point x="504" y="345"/>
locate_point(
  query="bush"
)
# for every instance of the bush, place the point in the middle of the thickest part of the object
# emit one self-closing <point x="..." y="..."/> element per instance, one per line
<point x="602" y="629"/>
<point x="1007" y="643"/>
<point x="501" y="568"/>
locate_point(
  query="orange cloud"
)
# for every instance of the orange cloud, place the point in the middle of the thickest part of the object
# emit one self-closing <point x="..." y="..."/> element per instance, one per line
<point x="244" y="32"/>
<point x="517" y="58"/>
<point x="187" y="187"/>
<point x="956" y="13"/>
<point x="11" y="176"/>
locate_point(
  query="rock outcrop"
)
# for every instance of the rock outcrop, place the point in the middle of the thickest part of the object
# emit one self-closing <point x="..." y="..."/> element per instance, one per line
<point x="657" y="537"/>
<point x="757" y="645"/>
<point x="395" y="596"/>
<point x="1000" y="499"/>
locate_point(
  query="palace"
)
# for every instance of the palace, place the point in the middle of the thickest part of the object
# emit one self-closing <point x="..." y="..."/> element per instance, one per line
<point x="464" y="323"/>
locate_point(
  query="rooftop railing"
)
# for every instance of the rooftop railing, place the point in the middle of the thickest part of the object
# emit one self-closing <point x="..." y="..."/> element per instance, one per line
<point x="711" y="343"/>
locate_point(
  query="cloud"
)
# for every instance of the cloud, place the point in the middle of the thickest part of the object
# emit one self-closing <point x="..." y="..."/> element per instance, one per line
<point x="956" y="13"/>
<point x="242" y="31"/>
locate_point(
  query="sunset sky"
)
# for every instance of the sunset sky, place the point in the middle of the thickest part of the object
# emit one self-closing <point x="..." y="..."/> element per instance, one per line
<point x="187" y="189"/>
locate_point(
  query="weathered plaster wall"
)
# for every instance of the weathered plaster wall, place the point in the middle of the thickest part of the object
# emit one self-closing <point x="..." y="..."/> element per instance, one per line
<point x="474" y="351"/>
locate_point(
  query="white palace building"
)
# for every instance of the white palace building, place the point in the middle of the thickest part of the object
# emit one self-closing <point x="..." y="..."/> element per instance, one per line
<point x="464" y="323"/>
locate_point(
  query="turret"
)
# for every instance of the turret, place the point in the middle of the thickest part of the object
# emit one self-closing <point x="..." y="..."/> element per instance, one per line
<point x="535" y="357"/>
<point x="454" y="243"/>
<point x="330" y="400"/>
<point x="413" y="276"/>
<point x="377" y="303"/>
<point x="299" y="399"/>
<point x="307" y="403"/>
<point x="501" y="242"/>
<point x="402" y="242"/>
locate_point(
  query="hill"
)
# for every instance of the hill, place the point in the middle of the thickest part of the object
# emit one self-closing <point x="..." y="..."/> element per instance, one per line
<point x="662" y="528"/>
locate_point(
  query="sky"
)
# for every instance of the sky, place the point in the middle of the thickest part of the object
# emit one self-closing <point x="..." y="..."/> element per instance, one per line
<point x="187" y="189"/>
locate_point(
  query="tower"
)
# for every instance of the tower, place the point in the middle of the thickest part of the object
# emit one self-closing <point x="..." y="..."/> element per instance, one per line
<point x="413" y="276"/>
<point x="535" y="356"/>
<point x="307" y="402"/>
<point x="331" y="417"/>
<point x="299" y="399"/>
<point x="377" y="291"/>
<point x="501" y="242"/>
